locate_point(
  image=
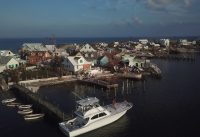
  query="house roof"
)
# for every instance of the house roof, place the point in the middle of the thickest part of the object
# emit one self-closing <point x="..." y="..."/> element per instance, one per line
<point x="74" y="60"/>
<point x="5" y="59"/>
<point x="34" y="47"/>
<point x="5" y="52"/>
<point x="87" y="45"/>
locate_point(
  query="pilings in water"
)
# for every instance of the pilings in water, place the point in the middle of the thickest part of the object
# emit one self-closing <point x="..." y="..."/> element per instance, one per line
<point x="100" y="83"/>
<point x="51" y="111"/>
<point x="3" y="85"/>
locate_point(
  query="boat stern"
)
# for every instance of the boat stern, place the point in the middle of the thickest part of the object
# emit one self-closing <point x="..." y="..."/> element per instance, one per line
<point x="64" y="129"/>
<point x="128" y="105"/>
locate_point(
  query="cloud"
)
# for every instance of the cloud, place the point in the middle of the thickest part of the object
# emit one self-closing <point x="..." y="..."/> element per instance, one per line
<point x="187" y="2"/>
<point x="168" y="5"/>
<point x="137" y="20"/>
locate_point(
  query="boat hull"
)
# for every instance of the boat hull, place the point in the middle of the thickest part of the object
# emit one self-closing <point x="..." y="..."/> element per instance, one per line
<point x="92" y="126"/>
<point x="33" y="116"/>
<point x="25" y="106"/>
<point x="24" y="112"/>
<point x="8" y="100"/>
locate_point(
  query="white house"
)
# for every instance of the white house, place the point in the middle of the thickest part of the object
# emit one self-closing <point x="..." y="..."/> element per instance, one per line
<point x="184" y="42"/>
<point x="34" y="47"/>
<point x="139" y="47"/>
<point x="102" y="44"/>
<point x="154" y="44"/>
<point x="165" y="42"/>
<point x="61" y="52"/>
<point x="51" y="48"/>
<point x="116" y="43"/>
<point x="143" y="41"/>
<point x="8" y="63"/>
<point x="76" y="63"/>
<point x="87" y="48"/>
<point x="6" y="53"/>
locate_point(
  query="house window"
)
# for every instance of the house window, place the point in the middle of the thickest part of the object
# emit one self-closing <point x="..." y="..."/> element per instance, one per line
<point x="16" y="65"/>
<point x="10" y="66"/>
<point x="81" y="61"/>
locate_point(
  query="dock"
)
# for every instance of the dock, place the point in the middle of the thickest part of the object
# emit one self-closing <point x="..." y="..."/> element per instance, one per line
<point x="52" y="111"/>
<point x="177" y="57"/>
<point x="98" y="82"/>
<point x="130" y="75"/>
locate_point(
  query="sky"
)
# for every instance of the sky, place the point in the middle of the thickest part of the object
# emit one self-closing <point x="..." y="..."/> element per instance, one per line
<point x="99" y="18"/>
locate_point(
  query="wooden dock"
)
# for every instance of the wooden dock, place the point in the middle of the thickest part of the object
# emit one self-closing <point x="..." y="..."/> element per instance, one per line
<point x="130" y="75"/>
<point x="99" y="82"/>
<point x="176" y="57"/>
<point x="44" y="105"/>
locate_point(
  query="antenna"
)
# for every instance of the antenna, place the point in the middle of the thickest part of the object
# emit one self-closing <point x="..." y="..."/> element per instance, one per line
<point x="76" y="95"/>
<point x="53" y="39"/>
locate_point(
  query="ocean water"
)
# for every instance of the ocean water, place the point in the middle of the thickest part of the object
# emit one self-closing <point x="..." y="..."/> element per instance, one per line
<point x="14" y="44"/>
<point x="167" y="107"/>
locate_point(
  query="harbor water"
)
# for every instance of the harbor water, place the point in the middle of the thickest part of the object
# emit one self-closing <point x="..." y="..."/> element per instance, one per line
<point x="166" y="107"/>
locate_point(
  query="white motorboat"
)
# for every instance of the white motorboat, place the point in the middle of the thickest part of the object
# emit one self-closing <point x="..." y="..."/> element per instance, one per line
<point x="25" y="106"/>
<point x="90" y="116"/>
<point x="25" y="111"/>
<point x="13" y="104"/>
<point x="33" y="116"/>
<point x="8" y="100"/>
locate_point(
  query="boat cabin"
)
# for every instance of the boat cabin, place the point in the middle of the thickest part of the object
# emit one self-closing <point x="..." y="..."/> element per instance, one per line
<point x="87" y="106"/>
<point x="88" y="111"/>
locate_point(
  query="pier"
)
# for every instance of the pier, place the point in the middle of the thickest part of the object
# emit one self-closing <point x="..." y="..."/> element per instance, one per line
<point x="178" y="57"/>
<point x="130" y="75"/>
<point x="52" y="111"/>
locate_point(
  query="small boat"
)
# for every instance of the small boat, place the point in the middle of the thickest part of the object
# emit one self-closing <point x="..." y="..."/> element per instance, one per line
<point x="13" y="104"/>
<point x="8" y="100"/>
<point x="33" y="116"/>
<point x="25" y="111"/>
<point x="90" y="116"/>
<point x="25" y="106"/>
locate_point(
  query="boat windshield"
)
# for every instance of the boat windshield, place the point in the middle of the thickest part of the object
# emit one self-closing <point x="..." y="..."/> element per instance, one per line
<point x="82" y="109"/>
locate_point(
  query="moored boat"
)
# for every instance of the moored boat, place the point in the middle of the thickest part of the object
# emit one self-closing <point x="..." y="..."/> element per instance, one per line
<point x="25" y="106"/>
<point x="33" y="116"/>
<point x="90" y="116"/>
<point x="8" y="100"/>
<point x="13" y="104"/>
<point x="25" y="111"/>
